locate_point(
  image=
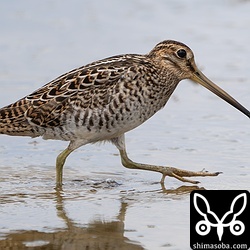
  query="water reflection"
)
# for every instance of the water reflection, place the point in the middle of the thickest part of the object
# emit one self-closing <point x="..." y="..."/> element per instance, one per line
<point x="97" y="234"/>
<point x="181" y="190"/>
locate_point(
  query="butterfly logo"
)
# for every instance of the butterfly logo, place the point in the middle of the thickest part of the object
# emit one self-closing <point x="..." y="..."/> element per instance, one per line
<point x="203" y="227"/>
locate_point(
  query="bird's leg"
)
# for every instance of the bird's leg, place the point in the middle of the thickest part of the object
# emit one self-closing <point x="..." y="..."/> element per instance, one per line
<point x="165" y="171"/>
<point x="60" y="160"/>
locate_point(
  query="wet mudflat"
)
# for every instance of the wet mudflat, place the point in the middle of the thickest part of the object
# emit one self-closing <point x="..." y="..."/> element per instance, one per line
<point x="103" y="205"/>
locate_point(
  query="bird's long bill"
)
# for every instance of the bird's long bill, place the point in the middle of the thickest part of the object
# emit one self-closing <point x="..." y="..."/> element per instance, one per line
<point x="200" y="78"/>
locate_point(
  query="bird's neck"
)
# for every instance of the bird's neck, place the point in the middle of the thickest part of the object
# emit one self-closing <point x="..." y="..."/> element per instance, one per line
<point x="164" y="85"/>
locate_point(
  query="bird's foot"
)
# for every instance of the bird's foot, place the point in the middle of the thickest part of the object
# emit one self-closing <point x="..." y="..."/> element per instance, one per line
<point x="177" y="173"/>
<point x="180" y="174"/>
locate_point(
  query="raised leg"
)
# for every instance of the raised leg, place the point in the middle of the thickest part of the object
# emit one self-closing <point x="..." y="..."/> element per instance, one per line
<point x="177" y="173"/>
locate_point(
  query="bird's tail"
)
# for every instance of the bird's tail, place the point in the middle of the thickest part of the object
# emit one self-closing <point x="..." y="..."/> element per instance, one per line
<point x="14" y="122"/>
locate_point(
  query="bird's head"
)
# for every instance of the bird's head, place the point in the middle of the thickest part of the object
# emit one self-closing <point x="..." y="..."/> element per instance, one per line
<point x="178" y="58"/>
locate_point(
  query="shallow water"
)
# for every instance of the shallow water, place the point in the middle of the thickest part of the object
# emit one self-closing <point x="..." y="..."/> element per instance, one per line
<point x="103" y="205"/>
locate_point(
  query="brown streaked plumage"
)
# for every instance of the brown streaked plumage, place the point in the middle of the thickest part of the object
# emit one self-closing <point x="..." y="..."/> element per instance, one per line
<point x="105" y="99"/>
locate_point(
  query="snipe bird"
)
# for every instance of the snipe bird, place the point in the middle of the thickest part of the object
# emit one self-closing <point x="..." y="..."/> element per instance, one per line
<point x="103" y="100"/>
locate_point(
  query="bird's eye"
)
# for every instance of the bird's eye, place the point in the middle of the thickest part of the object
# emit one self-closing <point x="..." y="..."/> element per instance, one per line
<point x="181" y="53"/>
